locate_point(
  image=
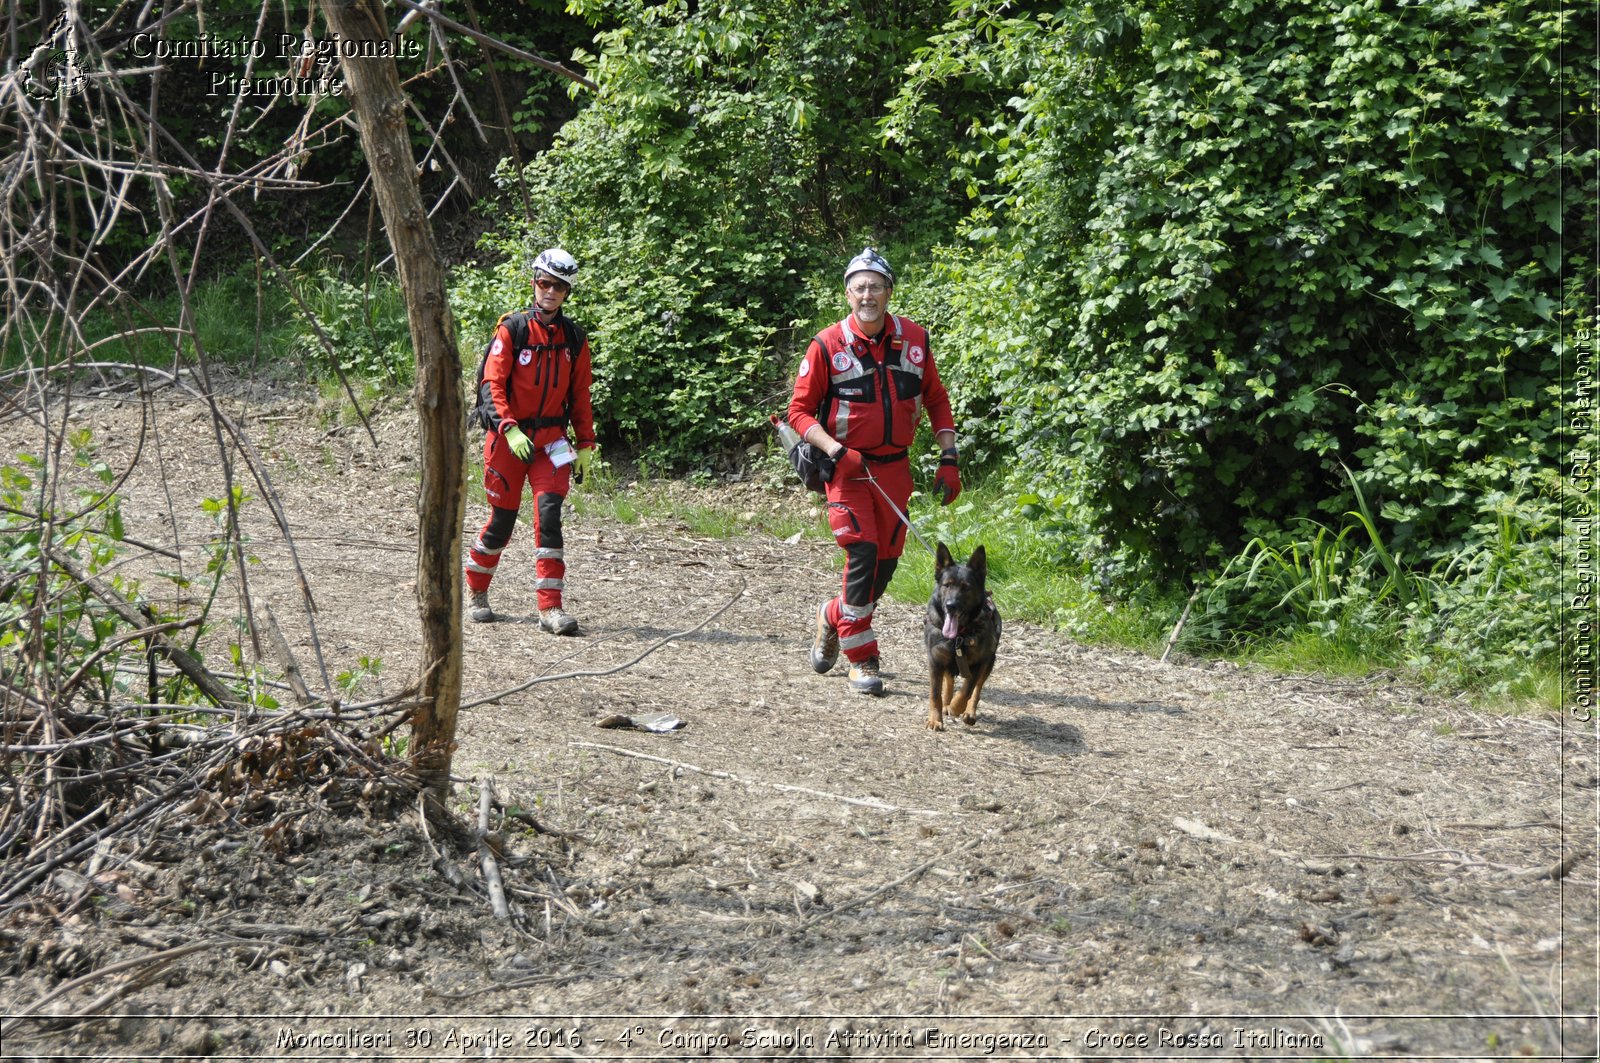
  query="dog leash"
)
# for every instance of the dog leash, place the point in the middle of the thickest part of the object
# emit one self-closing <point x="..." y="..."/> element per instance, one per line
<point x="873" y="480"/>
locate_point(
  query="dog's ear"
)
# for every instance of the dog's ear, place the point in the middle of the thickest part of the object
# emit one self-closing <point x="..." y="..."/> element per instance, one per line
<point x="941" y="559"/>
<point x="979" y="563"/>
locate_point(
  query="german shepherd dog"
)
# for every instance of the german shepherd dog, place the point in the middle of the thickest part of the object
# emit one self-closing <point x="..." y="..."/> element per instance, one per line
<point x="962" y="632"/>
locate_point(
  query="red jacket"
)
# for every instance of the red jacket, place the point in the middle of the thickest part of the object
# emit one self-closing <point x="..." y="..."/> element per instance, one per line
<point x="869" y="393"/>
<point x="548" y="381"/>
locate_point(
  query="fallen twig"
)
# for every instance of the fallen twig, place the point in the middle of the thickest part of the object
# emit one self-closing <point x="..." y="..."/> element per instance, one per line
<point x="1558" y="870"/>
<point x="868" y="898"/>
<point x="165" y="956"/>
<point x="1177" y="629"/>
<point x="491" y="870"/>
<point x="291" y="667"/>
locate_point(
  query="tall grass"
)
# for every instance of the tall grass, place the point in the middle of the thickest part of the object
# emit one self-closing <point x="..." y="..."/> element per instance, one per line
<point x="1031" y="573"/>
<point x="1484" y="621"/>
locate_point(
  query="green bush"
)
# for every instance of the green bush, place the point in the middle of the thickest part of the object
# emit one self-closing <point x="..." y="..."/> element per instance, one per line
<point x="368" y="327"/>
<point x="1483" y="620"/>
<point x="711" y="191"/>
<point x="1234" y="245"/>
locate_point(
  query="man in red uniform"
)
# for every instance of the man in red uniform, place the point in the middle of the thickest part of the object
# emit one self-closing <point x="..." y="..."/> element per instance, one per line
<point x="859" y="394"/>
<point x="538" y="375"/>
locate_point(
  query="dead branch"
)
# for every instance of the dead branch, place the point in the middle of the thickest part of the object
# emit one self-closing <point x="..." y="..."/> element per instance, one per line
<point x="161" y="958"/>
<point x="263" y="480"/>
<point x="1558" y="870"/>
<point x="887" y="887"/>
<point x="203" y="680"/>
<point x="286" y="661"/>
<point x="484" y="38"/>
<point x="491" y="870"/>
<point x="1177" y="629"/>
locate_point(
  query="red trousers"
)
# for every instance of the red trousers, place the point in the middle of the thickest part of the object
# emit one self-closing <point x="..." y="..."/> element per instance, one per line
<point x="503" y="476"/>
<point x="873" y="537"/>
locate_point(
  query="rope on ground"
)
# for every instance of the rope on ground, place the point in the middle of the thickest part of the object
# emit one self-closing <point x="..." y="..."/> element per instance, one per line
<point x="653" y="647"/>
<point x="861" y="802"/>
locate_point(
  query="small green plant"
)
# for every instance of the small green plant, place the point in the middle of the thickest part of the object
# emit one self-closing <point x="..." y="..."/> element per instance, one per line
<point x="50" y="623"/>
<point x="353" y="681"/>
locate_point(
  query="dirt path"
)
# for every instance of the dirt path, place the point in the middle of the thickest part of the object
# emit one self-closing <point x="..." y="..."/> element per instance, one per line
<point x="1122" y="858"/>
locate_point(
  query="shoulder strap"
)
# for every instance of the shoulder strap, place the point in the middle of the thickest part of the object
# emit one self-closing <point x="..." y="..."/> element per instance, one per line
<point x="482" y="411"/>
<point x="573" y="337"/>
<point x="517" y="323"/>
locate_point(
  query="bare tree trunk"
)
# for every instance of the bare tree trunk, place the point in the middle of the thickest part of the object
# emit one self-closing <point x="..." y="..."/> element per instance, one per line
<point x="380" y="107"/>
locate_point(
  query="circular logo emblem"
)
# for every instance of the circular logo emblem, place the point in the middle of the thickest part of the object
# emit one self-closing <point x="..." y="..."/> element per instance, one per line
<point x="842" y="360"/>
<point x="805" y="368"/>
<point x="916" y="355"/>
<point x="499" y="345"/>
<point x="525" y="356"/>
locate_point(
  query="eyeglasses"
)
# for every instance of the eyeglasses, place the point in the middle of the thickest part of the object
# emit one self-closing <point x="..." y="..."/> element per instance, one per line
<point x="545" y="284"/>
<point x="867" y="289"/>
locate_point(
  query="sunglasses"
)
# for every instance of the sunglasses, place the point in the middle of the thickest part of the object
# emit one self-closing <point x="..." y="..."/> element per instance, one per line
<point x="545" y="284"/>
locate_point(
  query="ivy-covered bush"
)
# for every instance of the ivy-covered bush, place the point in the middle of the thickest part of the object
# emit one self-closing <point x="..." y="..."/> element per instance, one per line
<point x="1233" y="246"/>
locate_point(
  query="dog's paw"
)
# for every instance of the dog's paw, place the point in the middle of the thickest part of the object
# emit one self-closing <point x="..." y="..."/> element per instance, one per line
<point x="969" y="718"/>
<point x="935" y="723"/>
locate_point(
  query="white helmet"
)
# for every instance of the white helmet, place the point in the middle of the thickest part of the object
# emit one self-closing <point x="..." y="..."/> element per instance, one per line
<point x="557" y="263"/>
<point x="869" y="259"/>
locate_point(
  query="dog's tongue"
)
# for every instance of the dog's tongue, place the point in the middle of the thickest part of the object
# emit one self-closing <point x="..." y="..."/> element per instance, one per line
<point x="949" y="625"/>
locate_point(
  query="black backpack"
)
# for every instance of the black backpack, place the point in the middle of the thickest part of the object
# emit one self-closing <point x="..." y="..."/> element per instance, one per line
<point x="481" y="414"/>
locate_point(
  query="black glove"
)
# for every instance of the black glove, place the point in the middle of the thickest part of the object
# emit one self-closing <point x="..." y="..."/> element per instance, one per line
<point x="826" y="466"/>
<point x="813" y="466"/>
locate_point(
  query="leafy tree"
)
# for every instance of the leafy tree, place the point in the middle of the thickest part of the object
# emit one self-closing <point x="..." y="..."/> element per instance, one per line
<point x="709" y="191"/>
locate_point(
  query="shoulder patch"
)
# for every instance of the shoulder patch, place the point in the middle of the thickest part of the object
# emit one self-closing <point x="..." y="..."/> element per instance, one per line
<point x="498" y="346"/>
<point x="805" y="369"/>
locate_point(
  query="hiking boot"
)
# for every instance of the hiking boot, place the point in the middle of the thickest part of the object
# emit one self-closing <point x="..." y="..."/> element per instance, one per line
<point x="864" y="678"/>
<point x="478" y="610"/>
<point x="825" y="647"/>
<point x="558" y="622"/>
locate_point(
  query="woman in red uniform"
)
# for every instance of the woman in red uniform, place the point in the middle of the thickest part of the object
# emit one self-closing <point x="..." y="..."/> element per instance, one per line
<point x="538" y="375"/>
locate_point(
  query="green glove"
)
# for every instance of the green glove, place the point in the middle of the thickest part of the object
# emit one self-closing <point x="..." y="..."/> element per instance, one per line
<point x="581" y="466"/>
<point x="521" y="445"/>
